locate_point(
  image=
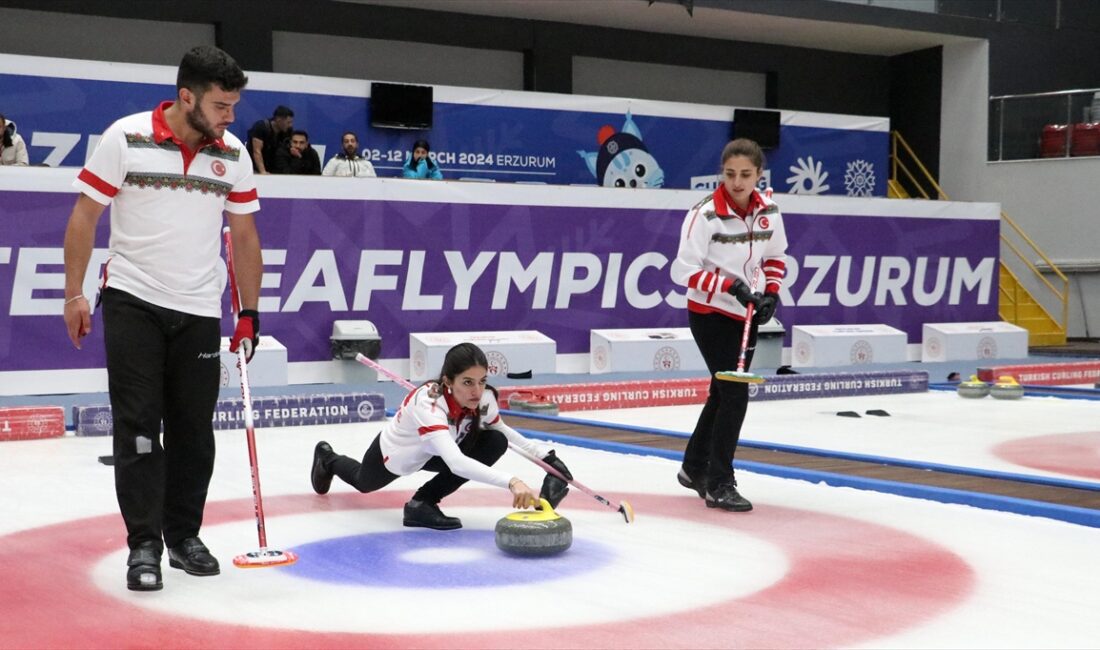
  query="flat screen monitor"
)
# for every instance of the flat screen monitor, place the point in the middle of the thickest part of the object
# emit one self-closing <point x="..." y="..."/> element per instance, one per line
<point x="757" y="124"/>
<point x="400" y="106"/>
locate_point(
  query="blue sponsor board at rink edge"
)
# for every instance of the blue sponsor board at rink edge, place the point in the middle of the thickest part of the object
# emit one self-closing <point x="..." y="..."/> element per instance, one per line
<point x="839" y="384"/>
<point x="61" y="117"/>
<point x="267" y="412"/>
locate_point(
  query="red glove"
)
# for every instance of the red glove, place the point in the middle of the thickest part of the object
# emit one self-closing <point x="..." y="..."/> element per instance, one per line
<point x="247" y="333"/>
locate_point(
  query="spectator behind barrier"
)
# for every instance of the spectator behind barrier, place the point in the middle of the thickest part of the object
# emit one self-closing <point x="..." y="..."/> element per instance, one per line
<point x="420" y="164"/>
<point x="295" y="156"/>
<point x="267" y="136"/>
<point x="13" y="151"/>
<point x="348" y="162"/>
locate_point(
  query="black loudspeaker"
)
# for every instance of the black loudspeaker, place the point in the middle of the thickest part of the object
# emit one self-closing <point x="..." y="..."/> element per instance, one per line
<point x="400" y="106"/>
<point x="757" y="124"/>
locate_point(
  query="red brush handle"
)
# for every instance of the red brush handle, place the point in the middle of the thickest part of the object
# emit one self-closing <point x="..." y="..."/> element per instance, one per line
<point x="246" y="396"/>
<point x="749" y="308"/>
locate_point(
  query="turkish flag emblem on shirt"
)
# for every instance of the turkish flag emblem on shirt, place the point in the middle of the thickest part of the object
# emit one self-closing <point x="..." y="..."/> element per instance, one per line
<point x="763" y="220"/>
<point x="218" y="167"/>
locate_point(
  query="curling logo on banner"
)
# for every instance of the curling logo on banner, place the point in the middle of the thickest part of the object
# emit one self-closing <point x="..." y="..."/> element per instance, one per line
<point x="802" y="351"/>
<point x="498" y="363"/>
<point x="666" y="358"/>
<point x="599" y="357"/>
<point x="862" y="352"/>
<point x="987" y="348"/>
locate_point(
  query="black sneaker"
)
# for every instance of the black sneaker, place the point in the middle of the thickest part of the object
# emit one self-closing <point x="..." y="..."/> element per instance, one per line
<point x="143" y="568"/>
<point x="420" y="514"/>
<point x="321" y="476"/>
<point x="685" y="480"/>
<point x="726" y="497"/>
<point x="192" y="556"/>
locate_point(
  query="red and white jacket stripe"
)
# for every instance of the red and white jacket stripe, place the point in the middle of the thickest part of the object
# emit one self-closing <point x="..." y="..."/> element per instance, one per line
<point x="430" y="423"/>
<point x="719" y="245"/>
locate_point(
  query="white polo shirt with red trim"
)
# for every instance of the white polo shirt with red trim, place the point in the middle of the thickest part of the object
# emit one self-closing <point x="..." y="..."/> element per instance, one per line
<point x="166" y="210"/>
<point x="430" y="423"/>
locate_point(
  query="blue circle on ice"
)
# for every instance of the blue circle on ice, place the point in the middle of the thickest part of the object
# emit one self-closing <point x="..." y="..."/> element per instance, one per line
<point x="427" y="559"/>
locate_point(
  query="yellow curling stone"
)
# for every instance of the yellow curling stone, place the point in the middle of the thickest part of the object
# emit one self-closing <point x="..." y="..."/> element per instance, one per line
<point x="973" y="388"/>
<point x="1006" y="387"/>
<point x="534" y="533"/>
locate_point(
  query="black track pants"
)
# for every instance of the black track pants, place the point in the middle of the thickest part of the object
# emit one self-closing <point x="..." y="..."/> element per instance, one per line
<point x="163" y="367"/>
<point x="712" y="445"/>
<point x="486" y="446"/>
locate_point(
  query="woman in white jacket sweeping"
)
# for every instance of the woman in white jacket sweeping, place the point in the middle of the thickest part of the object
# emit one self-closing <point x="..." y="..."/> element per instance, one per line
<point x="725" y="242"/>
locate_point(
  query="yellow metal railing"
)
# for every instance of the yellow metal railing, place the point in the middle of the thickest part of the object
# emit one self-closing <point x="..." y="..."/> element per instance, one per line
<point x="897" y="164"/>
<point x="1061" y="294"/>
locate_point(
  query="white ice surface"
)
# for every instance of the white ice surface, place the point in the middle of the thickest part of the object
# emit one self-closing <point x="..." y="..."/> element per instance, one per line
<point x="933" y="427"/>
<point x="1036" y="582"/>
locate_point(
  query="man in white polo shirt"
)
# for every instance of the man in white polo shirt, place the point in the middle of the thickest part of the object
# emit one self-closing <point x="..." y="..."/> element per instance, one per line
<point x="169" y="174"/>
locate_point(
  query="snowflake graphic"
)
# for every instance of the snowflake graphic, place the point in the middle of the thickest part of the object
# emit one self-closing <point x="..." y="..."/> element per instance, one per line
<point x="808" y="177"/>
<point x="859" y="178"/>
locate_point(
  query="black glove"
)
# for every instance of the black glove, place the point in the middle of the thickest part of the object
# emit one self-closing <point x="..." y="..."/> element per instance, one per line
<point x="744" y="295"/>
<point x="553" y="488"/>
<point x="765" y="307"/>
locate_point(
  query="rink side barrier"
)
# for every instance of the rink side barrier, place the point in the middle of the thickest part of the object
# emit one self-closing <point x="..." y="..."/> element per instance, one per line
<point x="679" y="392"/>
<point x="268" y="411"/>
<point x="31" y="422"/>
<point x="1015" y="505"/>
<point x="1047" y="374"/>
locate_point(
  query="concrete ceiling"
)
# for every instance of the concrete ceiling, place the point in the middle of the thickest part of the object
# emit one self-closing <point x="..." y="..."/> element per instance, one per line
<point x="671" y="18"/>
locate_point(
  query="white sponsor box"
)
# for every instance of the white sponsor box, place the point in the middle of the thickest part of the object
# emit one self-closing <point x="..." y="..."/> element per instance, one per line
<point x="643" y="349"/>
<point x="847" y="345"/>
<point x="969" y="341"/>
<point x="507" y="352"/>
<point x="267" y="368"/>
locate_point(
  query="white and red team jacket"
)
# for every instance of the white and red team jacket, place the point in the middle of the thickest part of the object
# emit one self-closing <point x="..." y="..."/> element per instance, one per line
<point x="167" y="204"/>
<point x="432" y="424"/>
<point x="718" y="245"/>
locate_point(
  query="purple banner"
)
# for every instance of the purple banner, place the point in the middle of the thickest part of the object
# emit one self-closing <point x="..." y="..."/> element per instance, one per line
<point x="447" y="263"/>
<point x="849" y="384"/>
<point x="267" y="412"/>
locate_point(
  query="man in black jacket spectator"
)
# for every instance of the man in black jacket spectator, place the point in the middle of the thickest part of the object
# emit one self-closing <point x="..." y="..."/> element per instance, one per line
<point x="266" y="136"/>
<point x="297" y="157"/>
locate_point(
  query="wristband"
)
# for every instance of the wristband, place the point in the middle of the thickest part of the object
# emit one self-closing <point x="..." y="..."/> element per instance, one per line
<point x="74" y="299"/>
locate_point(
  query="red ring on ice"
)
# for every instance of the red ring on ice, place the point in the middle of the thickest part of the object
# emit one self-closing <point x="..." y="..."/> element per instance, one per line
<point x="1072" y="454"/>
<point x="848" y="582"/>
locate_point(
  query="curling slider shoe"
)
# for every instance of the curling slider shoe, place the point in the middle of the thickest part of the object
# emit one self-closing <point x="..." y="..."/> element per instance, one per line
<point x="264" y="558"/>
<point x="743" y="377"/>
<point x="973" y="388"/>
<point x="1006" y="387"/>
